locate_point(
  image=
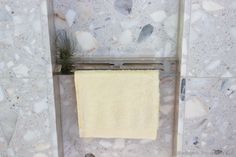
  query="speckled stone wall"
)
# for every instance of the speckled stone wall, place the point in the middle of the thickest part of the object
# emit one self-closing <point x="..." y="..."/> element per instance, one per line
<point x="206" y="122"/>
<point x="120" y="28"/>
<point x="206" y="110"/>
<point x="27" y="110"/>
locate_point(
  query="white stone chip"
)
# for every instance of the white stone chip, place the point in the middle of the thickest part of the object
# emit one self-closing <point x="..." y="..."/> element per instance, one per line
<point x="170" y="26"/>
<point x="27" y="49"/>
<point x="167" y="49"/>
<point x="8" y="8"/>
<point x="42" y="147"/>
<point x="86" y="41"/>
<point x="233" y="32"/>
<point x="10" y="64"/>
<point x="211" y="6"/>
<point x="158" y="16"/>
<point x="128" y="24"/>
<point x="105" y="144"/>
<point x="44" y="10"/>
<point x="213" y="65"/>
<point x="195" y="108"/>
<point x="40" y="155"/>
<point x="119" y="144"/>
<point x="1" y="94"/>
<point x="70" y="17"/>
<point x="17" y="57"/>
<point x="40" y="106"/>
<point x="8" y="122"/>
<point x="126" y="37"/>
<point x="29" y="135"/>
<point x="145" y="141"/>
<point x="197" y="15"/>
<point x="21" y="71"/>
<point x="227" y="74"/>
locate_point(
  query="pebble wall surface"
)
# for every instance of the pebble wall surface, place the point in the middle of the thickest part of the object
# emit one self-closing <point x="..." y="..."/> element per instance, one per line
<point x="27" y="111"/>
<point x="120" y="28"/>
<point x="207" y="112"/>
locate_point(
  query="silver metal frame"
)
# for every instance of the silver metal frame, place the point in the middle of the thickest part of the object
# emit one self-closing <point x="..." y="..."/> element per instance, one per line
<point x="162" y="64"/>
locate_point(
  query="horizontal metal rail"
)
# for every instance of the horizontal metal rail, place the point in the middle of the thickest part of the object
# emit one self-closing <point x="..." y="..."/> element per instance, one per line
<point x="163" y="64"/>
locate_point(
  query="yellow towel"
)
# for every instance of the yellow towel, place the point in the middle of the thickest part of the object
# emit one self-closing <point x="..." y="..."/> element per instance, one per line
<point x="118" y="103"/>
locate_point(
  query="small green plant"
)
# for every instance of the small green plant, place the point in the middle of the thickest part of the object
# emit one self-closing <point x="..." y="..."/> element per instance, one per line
<point x="65" y="46"/>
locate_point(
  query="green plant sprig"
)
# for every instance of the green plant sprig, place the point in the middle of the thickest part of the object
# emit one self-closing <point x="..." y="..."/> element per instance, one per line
<point x="65" y="45"/>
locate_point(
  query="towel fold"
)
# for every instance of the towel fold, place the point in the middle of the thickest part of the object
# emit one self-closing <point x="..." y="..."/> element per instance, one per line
<point x="118" y="103"/>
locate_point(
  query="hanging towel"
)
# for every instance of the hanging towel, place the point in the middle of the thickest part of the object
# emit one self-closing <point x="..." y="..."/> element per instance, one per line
<point x="118" y="103"/>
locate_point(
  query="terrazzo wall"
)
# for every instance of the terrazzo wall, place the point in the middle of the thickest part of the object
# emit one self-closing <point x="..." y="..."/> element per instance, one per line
<point x="206" y="108"/>
<point x="207" y="103"/>
<point x="27" y="110"/>
<point x="120" y="28"/>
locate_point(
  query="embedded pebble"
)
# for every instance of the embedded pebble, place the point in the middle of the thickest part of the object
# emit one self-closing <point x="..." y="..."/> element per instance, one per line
<point x="158" y="16"/>
<point x="86" y="41"/>
<point x="1" y="94"/>
<point x="119" y="144"/>
<point x="89" y="155"/>
<point x="130" y="147"/>
<point x="40" y="106"/>
<point x="126" y="37"/>
<point x="17" y="57"/>
<point x="195" y="141"/>
<point x="21" y="71"/>
<point x="10" y="152"/>
<point x="70" y="17"/>
<point x="2" y="65"/>
<point x="27" y="49"/>
<point x="4" y="15"/>
<point x="168" y="48"/>
<point x="40" y="155"/>
<point x="8" y="123"/>
<point x="217" y="151"/>
<point x="170" y="25"/>
<point x="145" y="141"/>
<point x="127" y="24"/>
<point x="213" y="65"/>
<point x="145" y="32"/>
<point x="10" y="64"/>
<point x="233" y="32"/>
<point x="44" y="8"/>
<point x="17" y="20"/>
<point x="29" y="135"/>
<point x="203" y="143"/>
<point x="105" y="155"/>
<point x="197" y="15"/>
<point x="123" y="6"/>
<point x="195" y="108"/>
<point x="105" y="144"/>
<point x="211" y="6"/>
<point x="42" y="147"/>
<point x="8" y="8"/>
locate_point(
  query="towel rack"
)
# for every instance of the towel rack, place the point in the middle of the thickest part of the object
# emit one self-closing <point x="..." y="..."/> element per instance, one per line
<point x="166" y="64"/>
